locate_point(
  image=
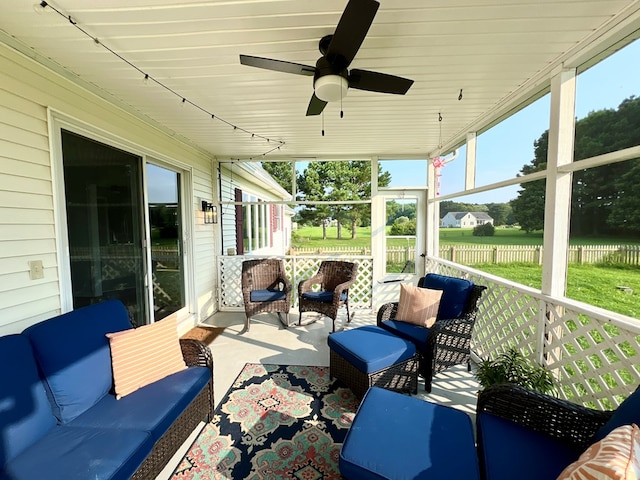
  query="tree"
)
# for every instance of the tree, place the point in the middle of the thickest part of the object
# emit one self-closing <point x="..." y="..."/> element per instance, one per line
<point x="340" y="182"/>
<point x="603" y="199"/>
<point x="499" y="212"/>
<point x="282" y="172"/>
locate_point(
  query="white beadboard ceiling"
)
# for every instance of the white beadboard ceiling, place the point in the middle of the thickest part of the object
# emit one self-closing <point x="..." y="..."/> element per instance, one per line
<point x="492" y="49"/>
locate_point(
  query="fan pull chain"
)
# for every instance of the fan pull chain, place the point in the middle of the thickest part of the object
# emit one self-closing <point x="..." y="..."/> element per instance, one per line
<point x="322" y="123"/>
<point x="341" y="112"/>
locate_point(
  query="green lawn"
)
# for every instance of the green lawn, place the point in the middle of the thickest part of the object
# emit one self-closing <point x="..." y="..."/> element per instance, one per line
<point x="592" y="284"/>
<point x="311" y="237"/>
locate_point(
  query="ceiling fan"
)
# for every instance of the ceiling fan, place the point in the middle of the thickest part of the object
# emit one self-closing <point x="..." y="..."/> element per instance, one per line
<point x="331" y="77"/>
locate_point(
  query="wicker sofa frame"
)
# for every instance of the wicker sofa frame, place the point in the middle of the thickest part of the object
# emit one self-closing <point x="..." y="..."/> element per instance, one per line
<point x="332" y="276"/>
<point x="264" y="274"/>
<point x="449" y="340"/>
<point x="195" y="353"/>
<point x="401" y="377"/>
<point x="568" y="422"/>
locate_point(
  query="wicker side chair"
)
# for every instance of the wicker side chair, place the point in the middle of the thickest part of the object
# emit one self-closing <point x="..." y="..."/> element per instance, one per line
<point x="334" y="278"/>
<point x="265" y="288"/>
<point x="445" y="344"/>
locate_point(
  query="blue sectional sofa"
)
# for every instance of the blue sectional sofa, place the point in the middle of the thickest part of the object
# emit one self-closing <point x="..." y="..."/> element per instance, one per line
<point x="60" y="419"/>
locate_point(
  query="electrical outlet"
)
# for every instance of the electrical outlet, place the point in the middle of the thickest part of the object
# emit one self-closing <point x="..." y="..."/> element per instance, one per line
<point x="36" y="270"/>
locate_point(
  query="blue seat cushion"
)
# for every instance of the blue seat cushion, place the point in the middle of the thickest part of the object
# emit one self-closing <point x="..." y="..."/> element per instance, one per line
<point x="152" y="408"/>
<point x="402" y="437"/>
<point x="371" y="348"/>
<point x="266" y="295"/>
<point x="73" y="354"/>
<point x="627" y="413"/>
<point x="513" y="451"/>
<point x="77" y="453"/>
<point x="414" y="333"/>
<point x="455" y="292"/>
<point x="322" y="296"/>
<point x="25" y="412"/>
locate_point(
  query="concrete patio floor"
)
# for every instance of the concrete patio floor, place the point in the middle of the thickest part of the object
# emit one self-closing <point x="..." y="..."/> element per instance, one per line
<point x="268" y="341"/>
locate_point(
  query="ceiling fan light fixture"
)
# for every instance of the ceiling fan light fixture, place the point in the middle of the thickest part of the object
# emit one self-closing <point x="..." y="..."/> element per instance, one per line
<point x="331" y="88"/>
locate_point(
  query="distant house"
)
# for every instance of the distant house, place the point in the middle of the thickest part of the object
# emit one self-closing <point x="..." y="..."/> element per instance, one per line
<point x="465" y="219"/>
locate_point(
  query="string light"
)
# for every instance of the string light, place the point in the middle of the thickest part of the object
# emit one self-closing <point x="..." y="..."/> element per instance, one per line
<point x="146" y="77"/>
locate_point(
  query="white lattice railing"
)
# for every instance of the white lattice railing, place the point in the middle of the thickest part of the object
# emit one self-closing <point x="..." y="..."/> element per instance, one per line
<point x="297" y="268"/>
<point x="592" y="352"/>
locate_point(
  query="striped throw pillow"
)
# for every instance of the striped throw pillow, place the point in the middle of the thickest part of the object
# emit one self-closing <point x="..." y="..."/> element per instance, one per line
<point x="144" y="355"/>
<point x="418" y="306"/>
<point x="615" y="457"/>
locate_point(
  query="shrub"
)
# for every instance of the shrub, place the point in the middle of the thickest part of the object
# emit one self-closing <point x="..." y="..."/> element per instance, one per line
<point x="403" y="226"/>
<point x="484" y="230"/>
<point x="512" y="367"/>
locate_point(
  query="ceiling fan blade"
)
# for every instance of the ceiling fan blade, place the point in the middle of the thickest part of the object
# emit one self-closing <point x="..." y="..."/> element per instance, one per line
<point x="378" y="82"/>
<point x="277" y="65"/>
<point x="316" y="106"/>
<point x="352" y="28"/>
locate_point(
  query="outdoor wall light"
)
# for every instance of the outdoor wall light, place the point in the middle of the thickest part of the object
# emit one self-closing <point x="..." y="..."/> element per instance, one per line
<point x="210" y="212"/>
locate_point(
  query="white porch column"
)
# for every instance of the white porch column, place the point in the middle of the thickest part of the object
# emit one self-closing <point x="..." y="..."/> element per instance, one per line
<point x="557" y="209"/>
<point x="432" y="227"/>
<point x="470" y="166"/>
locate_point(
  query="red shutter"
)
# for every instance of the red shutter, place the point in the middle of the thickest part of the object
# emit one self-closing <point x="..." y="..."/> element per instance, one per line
<point x="239" y="223"/>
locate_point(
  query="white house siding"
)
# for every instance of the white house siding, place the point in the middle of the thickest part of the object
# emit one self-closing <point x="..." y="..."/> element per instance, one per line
<point x="27" y="220"/>
<point x="232" y="177"/>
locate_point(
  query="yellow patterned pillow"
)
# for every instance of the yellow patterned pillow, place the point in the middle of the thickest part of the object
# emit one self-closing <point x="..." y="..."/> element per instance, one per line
<point x="144" y="355"/>
<point x="418" y="305"/>
<point x="615" y="457"/>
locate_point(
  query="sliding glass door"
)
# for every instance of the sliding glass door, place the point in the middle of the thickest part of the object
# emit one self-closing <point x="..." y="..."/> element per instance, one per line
<point x="105" y="224"/>
<point x="111" y="218"/>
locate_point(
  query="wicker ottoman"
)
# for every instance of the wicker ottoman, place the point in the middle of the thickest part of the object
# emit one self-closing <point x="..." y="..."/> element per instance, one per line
<point x="368" y="356"/>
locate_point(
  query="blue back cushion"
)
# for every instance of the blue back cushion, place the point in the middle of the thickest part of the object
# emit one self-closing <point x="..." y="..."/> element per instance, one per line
<point x="25" y="412"/>
<point x="455" y="292"/>
<point x="627" y="413"/>
<point x="73" y="354"/>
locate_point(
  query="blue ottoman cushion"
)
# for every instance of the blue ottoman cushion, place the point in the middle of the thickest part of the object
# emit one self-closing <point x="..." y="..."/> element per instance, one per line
<point x="370" y="348"/>
<point x="513" y="451"/>
<point x="401" y="437"/>
<point x="267" y="295"/>
<point x="455" y="292"/>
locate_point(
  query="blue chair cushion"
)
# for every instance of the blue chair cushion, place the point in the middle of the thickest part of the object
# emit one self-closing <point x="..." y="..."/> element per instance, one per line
<point x="73" y="354"/>
<point x="370" y="348"/>
<point x="414" y="333"/>
<point x="266" y="295"/>
<point x="25" y="412"/>
<point x="322" y="296"/>
<point x="402" y="437"/>
<point x="152" y="408"/>
<point x="77" y="453"/>
<point x="627" y="413"/>
<point x="512" y="451"/>
<point x="455" y="292"/>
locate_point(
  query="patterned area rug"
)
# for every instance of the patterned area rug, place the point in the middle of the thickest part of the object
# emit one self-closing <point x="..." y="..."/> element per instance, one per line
<point x="275" y="422"/>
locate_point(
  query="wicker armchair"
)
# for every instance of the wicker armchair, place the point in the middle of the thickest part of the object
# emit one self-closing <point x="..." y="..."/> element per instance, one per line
<point x="265" y="288"/>
<point x="447" y="341"/>
<point x="334" y="278"/>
